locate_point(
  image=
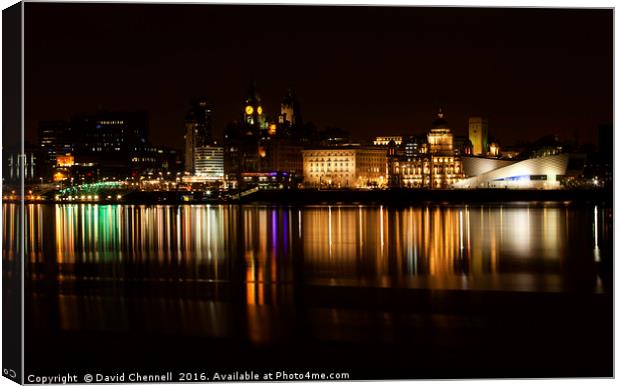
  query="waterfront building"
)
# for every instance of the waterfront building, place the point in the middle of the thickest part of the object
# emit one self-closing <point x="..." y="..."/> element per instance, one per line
<point x="478" y="135"/>
<point x="435" y="164"/>
<point x="426" y="171"/>
<point x="544" y="172"/>
<point x="209" y="162"/>
<point x="478" y="165"/>
<point x="345" y="167"/>
<point x="198" y="131"/>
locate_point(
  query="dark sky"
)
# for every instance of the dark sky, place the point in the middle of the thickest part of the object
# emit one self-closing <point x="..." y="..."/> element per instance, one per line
<point x="369" y="70"/>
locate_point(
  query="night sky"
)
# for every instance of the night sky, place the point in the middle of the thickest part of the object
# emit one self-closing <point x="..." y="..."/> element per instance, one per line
<point x="369" y="70"/>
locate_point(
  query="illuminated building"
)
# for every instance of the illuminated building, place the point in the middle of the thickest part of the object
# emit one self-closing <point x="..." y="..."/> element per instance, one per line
<point x="478" y="134"/>
<point x="198" y="131"/>
<point x="435" y="165"/>
<point x="440" y="137"/>
<point x="385" y="140"/>
<point x="534" y="173"/>
<point x="209" y="162"/>
<point x="66" y="160"/>
<point x="474" y="165"/>
<point x="426" y="171"/>
<point x="341" y="167"/>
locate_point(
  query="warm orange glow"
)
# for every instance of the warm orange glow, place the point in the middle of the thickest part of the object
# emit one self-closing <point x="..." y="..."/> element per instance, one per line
<point x="66" y="160"/>
<point x="272" y="129"/>
<point x="58" y="176"/>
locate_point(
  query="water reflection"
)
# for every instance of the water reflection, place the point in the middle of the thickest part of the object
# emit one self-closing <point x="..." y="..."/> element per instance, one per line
<point x="230" y="271"/>
<point x="499" y="247"/>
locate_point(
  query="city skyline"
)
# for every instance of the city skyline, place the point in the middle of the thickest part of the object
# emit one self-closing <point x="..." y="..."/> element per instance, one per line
<point x="549" y="79"/>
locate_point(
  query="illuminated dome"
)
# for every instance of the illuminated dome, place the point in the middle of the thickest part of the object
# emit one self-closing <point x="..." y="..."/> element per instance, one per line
<point x="440" y="138"/>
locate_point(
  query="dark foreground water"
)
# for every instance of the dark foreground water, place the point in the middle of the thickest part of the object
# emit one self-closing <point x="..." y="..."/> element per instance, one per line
<point x="379" y="292"/>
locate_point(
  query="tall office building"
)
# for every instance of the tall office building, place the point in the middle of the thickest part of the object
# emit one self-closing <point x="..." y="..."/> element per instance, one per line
<point x="209" y="162"/>
<point x="198" y="131"/>
<point x="479" y="135"/>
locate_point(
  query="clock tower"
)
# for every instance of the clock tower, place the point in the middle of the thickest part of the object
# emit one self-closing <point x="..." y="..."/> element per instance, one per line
<point x="253" y="114"/>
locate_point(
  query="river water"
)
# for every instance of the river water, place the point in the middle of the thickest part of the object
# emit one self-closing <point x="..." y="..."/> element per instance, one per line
<point x="268" y="275"/>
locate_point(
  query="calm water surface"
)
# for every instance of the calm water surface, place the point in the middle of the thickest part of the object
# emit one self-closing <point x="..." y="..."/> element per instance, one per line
<point x="365" y="289"/>
<point x="523" y="247"/>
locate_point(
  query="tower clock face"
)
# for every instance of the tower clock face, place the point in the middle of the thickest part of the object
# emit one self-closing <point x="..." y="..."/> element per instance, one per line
<point x="259" y="110"/>
<point x="249" y="110"/>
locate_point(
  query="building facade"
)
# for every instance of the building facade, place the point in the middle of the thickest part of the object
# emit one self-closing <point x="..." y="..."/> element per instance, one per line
<point x="533" y="173"/>
<point x="345" y="167"/>
<point x="209" y="163"/>
<point x="434" y="165"/>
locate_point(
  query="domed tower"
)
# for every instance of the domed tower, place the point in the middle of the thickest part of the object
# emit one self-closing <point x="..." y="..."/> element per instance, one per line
<point x="440" y="137"/>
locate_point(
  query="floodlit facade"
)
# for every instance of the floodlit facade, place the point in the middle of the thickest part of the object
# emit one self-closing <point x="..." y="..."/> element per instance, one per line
<point x="426" y="171"/>
<point x="435" y="165"/>
<point x="346" y="167"/>
<point x="533" y="173"/>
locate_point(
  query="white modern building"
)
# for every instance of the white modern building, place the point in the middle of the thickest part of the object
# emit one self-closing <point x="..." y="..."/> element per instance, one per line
<point x="533" y="173"/>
